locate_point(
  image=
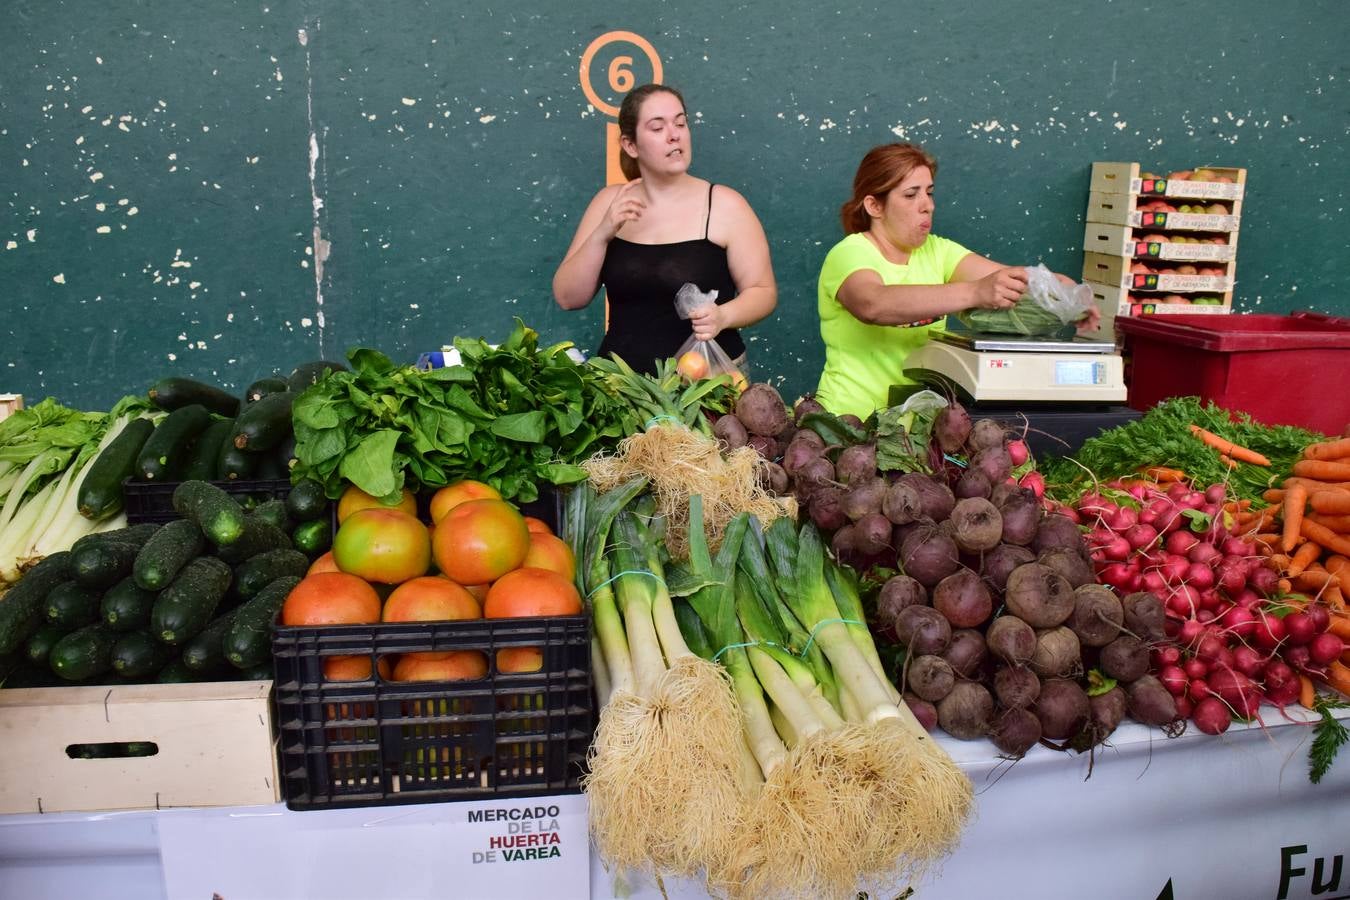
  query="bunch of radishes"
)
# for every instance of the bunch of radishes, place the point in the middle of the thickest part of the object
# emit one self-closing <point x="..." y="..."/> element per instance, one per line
<point x="1232" y="642"/>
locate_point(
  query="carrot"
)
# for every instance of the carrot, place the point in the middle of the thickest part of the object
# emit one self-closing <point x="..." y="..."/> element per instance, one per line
<point x="1328" y="449"/>
<point x="1330" y="502"/>
<point x="1228" y="461"/>
<point x="1284" y="585"/>
<point x="1307" y="692"/>
<point x="1335" y="600"/>
<point x="1314" y="486"/>
<point x="1163" y="474"/>
<point x="1335" y="523"/>
<point x="1238" y="506"/>
<point x="1338" y="676"/>
<point x="1265" y="519"/>
<point x="1266" y="540"/>
<point x="1340" y="626"/>
<point x="1295" y="499"/>
<point x="1279" y="561"/>
<point x="1326" y="537"/>
<point x="1273" y="495"/>
<point x="1229" y="448"/>
<point x="1340" y="567"/>
<point x="1322" y="470"/>
<point x="1303" y="557"/>
<point x="1315" y="580"/>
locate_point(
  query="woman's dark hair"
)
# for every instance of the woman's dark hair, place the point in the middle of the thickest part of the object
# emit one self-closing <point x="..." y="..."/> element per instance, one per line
<point x="628" y="121"/>
<point x="879" y="172"/>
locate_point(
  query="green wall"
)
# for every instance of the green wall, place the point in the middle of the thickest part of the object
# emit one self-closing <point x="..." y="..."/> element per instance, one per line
<point x="454" y="151"/>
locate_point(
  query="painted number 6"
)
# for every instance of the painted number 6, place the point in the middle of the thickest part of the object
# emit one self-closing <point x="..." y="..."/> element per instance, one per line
<point x="621" y="78"/>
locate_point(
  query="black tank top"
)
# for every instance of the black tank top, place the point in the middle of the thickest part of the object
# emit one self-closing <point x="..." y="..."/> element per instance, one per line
<point x="641" y="281"/>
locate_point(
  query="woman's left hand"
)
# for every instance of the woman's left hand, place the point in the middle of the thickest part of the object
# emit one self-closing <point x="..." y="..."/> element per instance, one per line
<point x="1090" y="321"/>
<point x="707" y="322"/>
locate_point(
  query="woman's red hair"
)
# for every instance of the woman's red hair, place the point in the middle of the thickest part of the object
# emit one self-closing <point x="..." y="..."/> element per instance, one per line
<point x="879" y="172"/>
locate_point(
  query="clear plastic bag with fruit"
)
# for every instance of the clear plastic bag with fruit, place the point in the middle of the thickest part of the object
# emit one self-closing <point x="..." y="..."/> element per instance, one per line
<point x="702" y="359"/>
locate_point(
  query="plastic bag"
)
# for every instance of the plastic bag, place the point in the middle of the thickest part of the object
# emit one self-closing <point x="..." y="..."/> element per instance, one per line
<point x="702" y="359"/>
<point x="1046" y="308"/>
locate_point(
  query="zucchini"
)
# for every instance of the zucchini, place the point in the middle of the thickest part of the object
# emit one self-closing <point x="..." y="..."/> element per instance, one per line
<point x="72" y="606"/>
<point x="186" y="606"/>
<point x="274" y="511"/>
<point x="263" y="671"/>
<point x="40" y="645"/>
<point x="214" y="511"/>
<point x="235" y="464"/>
<point x="259" y="389"/>
<point x="137" y="654"/>
<point x="83" y="653"/>
<point x="254" y="574"/>
<point x="136" y="535"/>
<point x="100" y="494"/>
<point x="202" y="458"/>
<point x="248" y="643"/>
<point x="102" y="564"/>
<point x="264" y="424"/>
<point x="309" y="374"/>
<point x="313" y="537"/>
<point x="206" y="651"/>
<point x="307" y="501"/>
<point x="259" y="536"/>
<point x="166" y="553"/>
<point x="22" y="610"/>
<point x="165" y="451"/>
<point x="176" y="672"/>
<point x="285" y="453"/>
<point x="176" y="393"/>
<point x="126" y="605"/>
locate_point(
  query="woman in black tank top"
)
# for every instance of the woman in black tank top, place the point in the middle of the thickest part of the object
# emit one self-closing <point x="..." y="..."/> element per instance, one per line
<point x="644" y="240"/>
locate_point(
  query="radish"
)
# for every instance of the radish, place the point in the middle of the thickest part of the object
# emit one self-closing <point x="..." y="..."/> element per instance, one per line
<point x="1234" y="546"/>
<point x="1248" y="661"/>
<point x="1248" y="598"/>
<point x="1017" y="452"/>
<point x="1200" y="577"/>
<point x="1325" y="648"/>
<point x="1203" y="554"/>
<point x="1122" y="519"/>
<point x="1240" y="622"/>
<point x="1197" y="690"/>
<point x="1174" y="679"/>
<point x="1177" y="489"/>
<point x="1194" y="669"/>
<point x="1284" y="695"/>
<point x="1116" y="547"/>
<point x="1209" y="647"/>
<point x="1278" y="673"/>
<point x="1206" y="616"/>
<point x="1300" y="629"/>
<point x="1140" y="535"/>
<point x="1300" y="658"/>
<point x="1232" y="576"/>
<point x="1191" y="631"/>
<point x="1153" y="583"/>
<point x="1320" y="616"/>
<point x="1269" y="631"/>
<point x="1183" y="601"/>
<point x="1181" y="542"/>
<point x="1174" y="568"/>
<point x="1211" y="716"/>
<point x="1035" y="482"/>
<point x="1184" y="706"/>
<point x="1167" y="655"/>
<point x="1216" y="493"/>
<point x="1263" y="580"/>
<point x="1191" y="500"/>
<point x="1236" y="690"/>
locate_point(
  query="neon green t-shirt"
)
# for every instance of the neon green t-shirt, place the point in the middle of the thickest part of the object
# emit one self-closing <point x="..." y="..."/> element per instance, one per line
<point x="862" y="361"/>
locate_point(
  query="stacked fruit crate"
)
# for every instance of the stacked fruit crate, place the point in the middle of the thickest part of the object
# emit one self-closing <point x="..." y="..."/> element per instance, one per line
<point x="1162" y="244"/>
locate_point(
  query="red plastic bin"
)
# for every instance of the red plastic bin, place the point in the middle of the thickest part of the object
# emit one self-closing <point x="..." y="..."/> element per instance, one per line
<point x="1282" y="370"/>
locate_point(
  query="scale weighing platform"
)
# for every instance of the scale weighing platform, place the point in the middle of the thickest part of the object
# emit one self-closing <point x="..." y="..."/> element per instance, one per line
<point x="1003" y="368"/>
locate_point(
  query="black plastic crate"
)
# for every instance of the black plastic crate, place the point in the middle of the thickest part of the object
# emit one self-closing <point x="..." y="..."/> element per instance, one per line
<point x="152" y="501"/>
<point x="379" y="742"/>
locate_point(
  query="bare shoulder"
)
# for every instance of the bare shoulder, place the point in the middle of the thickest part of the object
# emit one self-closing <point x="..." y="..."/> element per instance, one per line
<point x="728" y="200"/>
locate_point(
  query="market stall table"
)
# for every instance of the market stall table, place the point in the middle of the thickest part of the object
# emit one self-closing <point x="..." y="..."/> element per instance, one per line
<point x="1232" y="816"/>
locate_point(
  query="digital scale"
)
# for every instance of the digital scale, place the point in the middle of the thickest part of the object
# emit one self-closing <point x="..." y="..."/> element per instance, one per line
<point x="1001" y="368"/>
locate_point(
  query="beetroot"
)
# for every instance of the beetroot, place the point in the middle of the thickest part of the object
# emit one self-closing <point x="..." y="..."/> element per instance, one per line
<point x="1097" y="615"/>
<point x="1125" y="658"/>
<point x="928" y="555"/>
<point x="951" y="427"/>
<point x="844" y="543"/>
<point x="999" y="563"/>
<point x="977" y="525"/>
<point x="922" y="629"/>
<point x="1016" y="686"/>
<point x="994" y="462"/>
<point x="760" y="408"/>
<point x="805" y="406"/>
<point x="935" y="499"/>
<point x="930" y="677"/>
<point x="1057" y="653"/>
<point x="1106" y="712"/>
<point x="1144" y="616"/>
<point x="966" y="713"/>
<point x="901" y="504"/>
<point x="800" y="453"/>
<point x="966" y="653"/>
<point x="766" y="447"/>
<point x="963" y="598"/>
<point x="924" y="711"/>
<point x="814" y="473"/>
<point x="826" y="508"/>
<point x="729" y="430"/>
<point x="972" y="483"/>
<point x="1021" y="516"/>
<point x="857" y="463"/>
<point x="863" y="498"/>
<point x="1063" y="709"/>
<point x="872" y="534"/>
<point x="1069" y="564"/>
<point x="1037" y="595"/>
<point x="773" y="478"/>
<point x="1016" y="731"/>
<point x="984" y="434"/>
<point x="1150" y="702"/>
<point x="1057" y="531"/>
<point x="1011" y="640"/>
<point x="898" y="592"/>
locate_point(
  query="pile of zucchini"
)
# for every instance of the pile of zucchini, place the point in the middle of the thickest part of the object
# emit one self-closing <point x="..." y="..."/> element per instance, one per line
<point x="208" y="434"/>
<point x="191" y="600"/>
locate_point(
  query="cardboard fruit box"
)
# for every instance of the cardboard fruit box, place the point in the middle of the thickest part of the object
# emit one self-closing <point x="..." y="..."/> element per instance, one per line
<point x="1139" y="243"/>
<point x="1119" y="270"/>
<point x="1201" y="184"/>
<point x="140" y="746"/>
<point x="1139" y="212"/>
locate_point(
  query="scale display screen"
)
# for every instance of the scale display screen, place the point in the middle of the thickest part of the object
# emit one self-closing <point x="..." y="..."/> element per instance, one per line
<point x="1077" y="371"/>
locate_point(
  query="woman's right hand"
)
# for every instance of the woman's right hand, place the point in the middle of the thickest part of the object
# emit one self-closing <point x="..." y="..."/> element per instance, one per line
<point x="1001" y="289"/>
<point x="627" y="206"/>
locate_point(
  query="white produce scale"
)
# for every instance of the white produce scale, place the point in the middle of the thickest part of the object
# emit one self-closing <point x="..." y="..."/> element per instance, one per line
<point x="1002" y="367"/>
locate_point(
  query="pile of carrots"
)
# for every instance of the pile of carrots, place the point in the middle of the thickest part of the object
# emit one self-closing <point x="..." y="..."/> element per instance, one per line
<point x="1305" y="535"/>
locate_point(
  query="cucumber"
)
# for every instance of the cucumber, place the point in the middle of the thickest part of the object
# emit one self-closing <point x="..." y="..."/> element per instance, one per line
<point x="83" y="653"/>
<point x="308" y="374"/>
<point x="22" y="610"/>
<point x="313" y="537"/>
<point x="40" y="645"/>
<point x="263" y="386"/>
<point x="166" y="553"/>
<point x="72" y="606"/>
<point x="206" y="651"/>
<point x="248" y="642"/>
<point x="176" y="393"/>
<point x="202" y="458"/>
<point x="258" y="537"/>
<point x="214" y="511"/>
<point x="135" y="535"/>
<point x="100" y="494"/>
<point x="254" y="574"/>
<point x="102" y="564"/>
<point x="265" y="424"/>
<point x="235" y="464"/>
<point x="137" y="654"/>
<point x="165" y="451"/>
<point x="126" y="605"/>
<point x="274" y="511"/>
<point x="186" y="606"/>
<point x="307" y="501"/>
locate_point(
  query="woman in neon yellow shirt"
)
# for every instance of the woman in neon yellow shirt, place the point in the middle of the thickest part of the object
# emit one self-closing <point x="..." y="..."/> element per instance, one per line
<point x="887" y="285"/>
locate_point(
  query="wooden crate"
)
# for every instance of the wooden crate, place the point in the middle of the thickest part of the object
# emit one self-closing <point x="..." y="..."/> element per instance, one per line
<point x="214" y="747"/>
<point x="1112" y="298"/>
<point x="1122" y="240"/>
<point x="1124" y="209"/>
<point x="1128" y="178"/>
<point x="1105" y="269"/>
